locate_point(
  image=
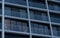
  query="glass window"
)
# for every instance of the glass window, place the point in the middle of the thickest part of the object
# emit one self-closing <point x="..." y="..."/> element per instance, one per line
<point x="16" y="25"/>
<point x="51" y="6"/>
<point x="0" y="9"/>
<point x="0" y="23"/>
<point x="54" y="6"/>
<point x="19" y="26"/>
<point x="7" y="24"/>
<point x="37" y="3"/>
<point x="40" y="37"/>
<point x="55" y="17"/>
<point x="38" y="15"/>
<point x="21" y="2"/>
<point x="13" y="25"/>
<point x="15" y="36"/>
<point x="23" y="13"/>
<point x="56" y="30"/>
<point x="15" y="12"/>
<point x="8" y="11"/>
<point x="44" y="16"/>
<point x="40" y="28"/>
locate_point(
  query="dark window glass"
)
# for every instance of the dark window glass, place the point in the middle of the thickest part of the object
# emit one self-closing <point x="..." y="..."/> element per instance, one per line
<point x="37" y="3"/>
<point x="0" y="23"/>
<point x="16" y="25"/>
<point x="15" y="36"/>
<point x="21" y="2"/>
<point x="54" y="6"/>
<point x="7" y="24"/>
<point x="56" y="30"/>
<point x="38" y="15"/>
<point x="40" y="28"/>
<point x="0" y="9"/>
<point x="23" y="13"/>
<point x="40" y="37"/>
<point x="0" y="35"/>
<point x="7" y="11"/>
<point x="16" y="12"/>
<point x="13" y="25"/>
<point x="55" y="17"/>
<point x="0" y="0"/>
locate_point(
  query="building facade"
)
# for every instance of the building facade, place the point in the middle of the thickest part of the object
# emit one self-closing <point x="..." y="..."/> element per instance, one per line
<point x="29" y="18"/>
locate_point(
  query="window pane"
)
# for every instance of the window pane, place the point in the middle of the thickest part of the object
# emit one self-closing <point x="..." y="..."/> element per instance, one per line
<point x="54" y="6"/>
<point x="38" y="15"/>
<point x="39" y="28"/>
<point x="56" y="30"/>
<point x="7" y="11"/>
<point x="37" y="3"/>
<point x="16" y="12"/>
<point x="15" y="36"/>
<point x="23" y="13"/>
<point x="55" y="17"/>
<point x="16" y="25"/>
<point x="21" y="2"/>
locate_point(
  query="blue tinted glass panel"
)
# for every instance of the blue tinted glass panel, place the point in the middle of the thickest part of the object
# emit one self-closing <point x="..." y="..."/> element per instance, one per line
<point x="0" y="9"/>
<point x="7" y="11"/>
<point x="56" y="30"/>
<point x="16" y="25"/>
<point x="21" y="2"/>
<point x="54" y="6"/>
<point x="37" y="3"/>
<point x="16" y="12"/>
<point x="55" y="18"/>
<point x="23" y="13"/>
<point x="40" y="28"/>
<point x="38" y="15"/>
